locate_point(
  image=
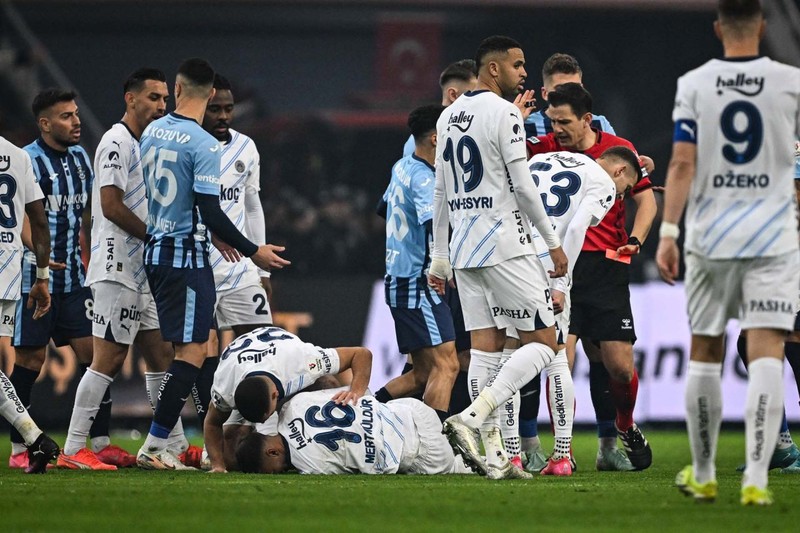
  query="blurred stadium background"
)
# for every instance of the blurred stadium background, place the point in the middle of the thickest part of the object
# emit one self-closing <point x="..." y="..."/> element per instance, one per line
<point x="324" y="88"/>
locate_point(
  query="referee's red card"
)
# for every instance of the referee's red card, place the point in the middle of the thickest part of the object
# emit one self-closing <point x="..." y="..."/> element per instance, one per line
<point x="614" y="256"/>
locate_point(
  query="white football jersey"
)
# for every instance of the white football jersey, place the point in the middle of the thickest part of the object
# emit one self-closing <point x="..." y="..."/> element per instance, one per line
<point x="239" y="176"/>
<point x="477" y="136"/>
<point x="270" y="351"/>
<point x="574" y="189"/>
<point x="116" y="254"/>
<point x="326" y="438"/>
<point x="742" y="114"/>
<point x="18" y="187"/>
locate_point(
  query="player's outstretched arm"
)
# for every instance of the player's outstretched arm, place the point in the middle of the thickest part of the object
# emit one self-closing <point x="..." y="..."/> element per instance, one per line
<point x="646" y="210"/>
<point x="213" y="438"/>
<point x="40" y="243"/>
<point x="530" y="203"/>
<point x="359" y="360"/>
<point x="680" y="173"/>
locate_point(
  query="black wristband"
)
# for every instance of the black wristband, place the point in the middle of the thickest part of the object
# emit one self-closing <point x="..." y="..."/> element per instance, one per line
<point x="634" y="241"/>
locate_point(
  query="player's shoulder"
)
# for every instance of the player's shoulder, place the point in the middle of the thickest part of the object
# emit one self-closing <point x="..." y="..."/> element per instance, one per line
<point x="117" y="137"/>
<point x="9" y="148"/>
<point x="607" y="140"/>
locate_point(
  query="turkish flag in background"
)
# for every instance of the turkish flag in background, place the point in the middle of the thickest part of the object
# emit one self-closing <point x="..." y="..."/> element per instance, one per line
<point x="409" y="54"/>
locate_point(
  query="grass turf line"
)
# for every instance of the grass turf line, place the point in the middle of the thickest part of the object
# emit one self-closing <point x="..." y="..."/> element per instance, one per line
<point x="131" y="499"/>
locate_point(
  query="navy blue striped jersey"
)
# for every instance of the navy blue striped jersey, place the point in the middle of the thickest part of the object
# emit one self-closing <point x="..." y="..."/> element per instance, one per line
<point x="66" y="180"/>
<point x="408" y="232"/>
<point x="539" y="124"/>
<point x="179" y="159"/>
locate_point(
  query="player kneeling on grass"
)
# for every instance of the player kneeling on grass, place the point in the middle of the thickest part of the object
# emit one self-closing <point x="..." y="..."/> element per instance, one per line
<point x="267" y="365"/>
<point x="317" y="435"/>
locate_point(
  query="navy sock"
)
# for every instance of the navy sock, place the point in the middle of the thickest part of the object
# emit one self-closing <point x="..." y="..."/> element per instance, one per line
<point x="741" y="349"/>
<point x="529" y="408"/>
<point x="604" y="410"/>
<point x="23" y="380"/>
<point x="408" y="367"/>
<point x="442" y="415"/>
<point x="175" y="389"/>
<point x="383" y="395"/>
<point x="459" y="397"/>
<point x="792" y="352"/>
<point x="201" y="392"/>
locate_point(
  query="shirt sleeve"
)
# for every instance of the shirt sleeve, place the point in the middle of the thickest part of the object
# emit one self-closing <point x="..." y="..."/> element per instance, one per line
<point x="32" y="190"/>
<point x="542" y="144"/>
<point x="113" y="164"/>
<point x="206" y="168"/>
<point x="684" y="115"/>
<point x="511" y="134"/>
<point x="424" y="183"/>
<point x="605" y="125"/>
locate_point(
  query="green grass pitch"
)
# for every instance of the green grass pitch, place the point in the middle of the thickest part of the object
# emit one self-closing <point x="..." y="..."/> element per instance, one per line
<point x="589" y="501"/>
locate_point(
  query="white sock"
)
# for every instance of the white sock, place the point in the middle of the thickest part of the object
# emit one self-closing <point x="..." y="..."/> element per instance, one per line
<point x="92" y="387"/>
<point x="703" y="416"/>
<point x="482" y="369"/>
<point x="176" y="442"/>
<point x="785" y="440"/>
<point x="521" y="367"/>
<point x="762" y="420"/>
<point x="493" y="445"/>
<point x="98" y="443"/>
<point x="561" y="395"/>
<point x="607" y="443"/>
<point x="16" y="414"/>
<point x="509" y="417"/>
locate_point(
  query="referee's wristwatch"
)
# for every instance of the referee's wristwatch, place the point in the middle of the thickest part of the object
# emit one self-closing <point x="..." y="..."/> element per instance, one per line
<point x="635" y="242"/>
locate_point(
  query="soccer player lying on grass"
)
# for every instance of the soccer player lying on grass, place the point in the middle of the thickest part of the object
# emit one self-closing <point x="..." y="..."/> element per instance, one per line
<point x="267" y="365"/>
<point x="317" y="435"/>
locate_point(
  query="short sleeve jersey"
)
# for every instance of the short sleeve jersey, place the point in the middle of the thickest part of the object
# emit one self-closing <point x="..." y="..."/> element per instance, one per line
<point x="478" y="135"/>
<point x="65" y="179"/>
<point x="273" y="352"/>
<point x="239" y="176"/>
<point x="17" y="189"/>
<point x="409" y="200"/>
<point x="116" y="254"/>
<point x="326" y="438"/>
<point x="179" y="159"/>
<point x="741" y="114"/>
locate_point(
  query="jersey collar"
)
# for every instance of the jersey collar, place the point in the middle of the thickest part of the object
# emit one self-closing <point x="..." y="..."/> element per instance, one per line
<point x="415" y="156"/>
<point x="740" y="59"/>
<point x="476" y="93"/>
<point x="49" y="149"/>
<point x="182" y="117"/>
<point x="129" y="130"/>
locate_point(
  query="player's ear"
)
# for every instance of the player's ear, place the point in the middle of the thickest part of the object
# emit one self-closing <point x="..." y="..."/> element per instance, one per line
<point x="44" y="124"/>
<point x="129" y="98"/>
<point x="433" y="139"/>
<point x="212" y="94"/>
<point x="762" y="28"/>
<point x="717" y="30"/>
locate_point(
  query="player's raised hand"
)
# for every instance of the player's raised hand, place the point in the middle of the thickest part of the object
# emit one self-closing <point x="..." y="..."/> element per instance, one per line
<point x="228" y="252"/>
<point x="667" y="259"/>
<point x="526" y="103"/>
<point x="347" y="396"/>
<point x="560" y="263"/>
<point x="40" y="294"/>
<point x="648" y="163"/>
<point x="267" y="258"/>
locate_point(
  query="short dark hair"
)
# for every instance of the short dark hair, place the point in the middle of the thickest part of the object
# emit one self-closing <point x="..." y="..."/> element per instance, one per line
<point x="423" y="119"/>
<point x="252" y="398"/>
<point x="221" y="83"/>
<point x="464" y="70"/>
<point x="628" y="156"/>
<point x="560" y="64"/>
<point x="50" y="97"/>
<point x="197" y="71"/>
<point x="135" y="81"/>
<point x="737" y="11"/>
<point x="495" y="43"/>
<point x="249" y="453"/>
<point x="573" y="95"/>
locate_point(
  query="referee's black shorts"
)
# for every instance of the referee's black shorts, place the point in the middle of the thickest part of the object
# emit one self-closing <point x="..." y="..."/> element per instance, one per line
<point x="601" y="299"/>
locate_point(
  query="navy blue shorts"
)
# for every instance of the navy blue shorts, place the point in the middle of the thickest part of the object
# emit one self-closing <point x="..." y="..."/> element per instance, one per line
<point x="70" y="317"/>
<point x="463" y="340"/>
<point x="423" y="327"/>
<point x="185" y="299"/>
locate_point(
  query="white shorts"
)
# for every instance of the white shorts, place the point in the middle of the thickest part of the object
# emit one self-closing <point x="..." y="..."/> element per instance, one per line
<point x="514" y="293"/>
<point x="761" y="292"/>
<point x="434" y="454"/>
<point x="8" y="310"/>
<point x="119" y="313"/>
<point x="243" y="306"/>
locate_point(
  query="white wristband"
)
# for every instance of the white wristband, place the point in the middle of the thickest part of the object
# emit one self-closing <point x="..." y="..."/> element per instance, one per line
<point x="43" y="273"/>
<point x="669" y="230"/>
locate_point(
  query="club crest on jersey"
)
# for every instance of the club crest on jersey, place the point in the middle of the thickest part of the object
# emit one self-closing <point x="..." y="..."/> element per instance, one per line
<point x="5" y="162"/>
<point x="81" y="174"/>
<point x="239" y="165"/>
<point x="741" y="84"/>
<point x="457" y="121"/>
